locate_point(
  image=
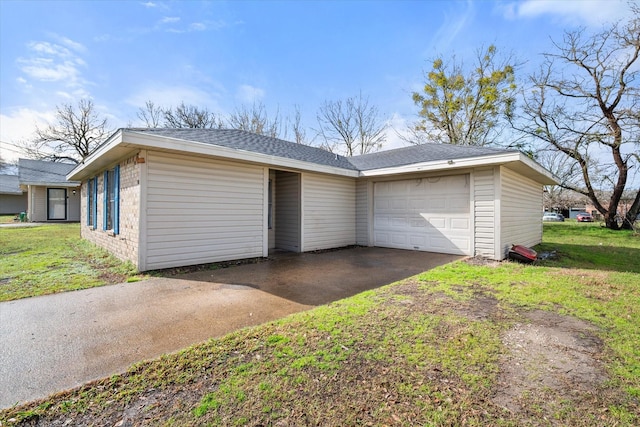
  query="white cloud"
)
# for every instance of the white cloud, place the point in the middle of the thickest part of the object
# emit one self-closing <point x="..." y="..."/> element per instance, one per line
<point x="46" y="70"/>
<point x="78" y="47"/>
<point x="52" y="62"/>
<point x="453" y="24"/>
<point x="170" y="96"/>
<point x="197" y="26"/>
<point x="150" y="4"/>
<point x="248" y="94"/>
<point x="169" y="19"/>
<point x="19" y="126"/>
<point x="584" y="12"/>
<point x="396" y="129"/>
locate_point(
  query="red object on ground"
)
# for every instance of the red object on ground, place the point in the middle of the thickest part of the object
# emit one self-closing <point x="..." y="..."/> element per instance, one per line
<point x="522" y="253"/>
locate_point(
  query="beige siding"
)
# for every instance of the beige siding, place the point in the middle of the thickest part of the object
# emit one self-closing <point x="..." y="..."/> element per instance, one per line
<point x="362" y="212"/>
<point x="13" y="204"/>
<point x="287" y="211"/>
<point x="329" y="212"/>
<point x="37" y="200"/>
<point x="37" y="204"/>
<point x="484" y="198"/>
<point x="202" y="210"/>
<point x="521" y="211"/>
<point x="73" y="204"/>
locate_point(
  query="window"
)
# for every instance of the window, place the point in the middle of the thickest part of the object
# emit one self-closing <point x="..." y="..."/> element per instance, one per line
<point x="92" y="203"/>
<point x="56" y="203"/>
<point x="111" y="200"/>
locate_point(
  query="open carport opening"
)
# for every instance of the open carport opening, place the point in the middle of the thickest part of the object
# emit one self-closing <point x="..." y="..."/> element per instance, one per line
<point x="284" y="211"/>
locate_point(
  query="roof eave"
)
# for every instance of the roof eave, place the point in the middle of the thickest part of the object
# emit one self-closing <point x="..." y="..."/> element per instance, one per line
<point x="51" y="183"/>
<point x="528" y="167"/>
<point x="126" y="141"/>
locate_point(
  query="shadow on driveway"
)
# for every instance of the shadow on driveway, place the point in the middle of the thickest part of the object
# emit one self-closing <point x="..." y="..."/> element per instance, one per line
<point x="60" y="341"/>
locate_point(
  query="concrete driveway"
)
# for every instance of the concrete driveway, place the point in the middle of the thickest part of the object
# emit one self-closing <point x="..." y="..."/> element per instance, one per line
<point x="56" y="342"/>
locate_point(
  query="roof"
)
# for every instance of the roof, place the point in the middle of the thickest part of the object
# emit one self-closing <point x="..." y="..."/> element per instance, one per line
<point x="240" y="145"/>
<point x="421" y="153"/>
<point x="9" y="184"/>
<point x="251" y="142"/>
<point x="40" y="172"/>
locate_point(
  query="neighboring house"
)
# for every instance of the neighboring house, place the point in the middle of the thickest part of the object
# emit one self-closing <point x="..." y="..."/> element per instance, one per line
<point x="12" y="199"/>
<point x="172" y="197"/>
<point x="50" y="197"/>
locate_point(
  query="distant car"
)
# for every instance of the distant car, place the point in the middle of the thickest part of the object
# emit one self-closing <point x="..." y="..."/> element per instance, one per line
<point x="584" y="217"/>
<point x="553" y="216"/>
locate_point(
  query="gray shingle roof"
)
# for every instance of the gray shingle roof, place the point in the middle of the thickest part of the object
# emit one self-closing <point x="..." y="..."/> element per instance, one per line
<point x="247" y="141"/>
<point x="9" y="184"/>
<point x="421" y="153"/>
<point x="42" y="172"/>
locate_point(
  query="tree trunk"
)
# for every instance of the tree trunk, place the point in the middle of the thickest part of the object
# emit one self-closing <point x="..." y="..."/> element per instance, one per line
<point x="632" y="213"/>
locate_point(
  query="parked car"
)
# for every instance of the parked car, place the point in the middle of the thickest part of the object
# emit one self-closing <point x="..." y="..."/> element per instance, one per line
<point x="584" y="217"/>
<point x="552" y="216"/>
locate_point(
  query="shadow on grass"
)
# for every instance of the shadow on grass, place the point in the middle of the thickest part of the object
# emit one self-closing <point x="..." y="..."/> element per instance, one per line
<point x="597" y="257"/>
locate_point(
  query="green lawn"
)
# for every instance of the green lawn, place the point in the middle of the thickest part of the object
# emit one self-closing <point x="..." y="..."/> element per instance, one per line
<point x="53" y="258"/>
<point x="428" y="350"/>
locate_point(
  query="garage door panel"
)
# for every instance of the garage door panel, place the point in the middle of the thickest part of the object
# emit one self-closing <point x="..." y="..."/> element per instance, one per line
<point x="418" y="241"/>
<point x="460" y="224"/>
<point x="399" y="223"/>
<point x="399" y="205"/>
<point x="439" y="223"/>
<point x="430" y="214"/>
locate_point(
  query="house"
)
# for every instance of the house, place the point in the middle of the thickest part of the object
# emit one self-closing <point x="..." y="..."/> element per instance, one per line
<point x="50" y="197"/>
<point x="164" y="198"/>
<point x="12" y="199"/>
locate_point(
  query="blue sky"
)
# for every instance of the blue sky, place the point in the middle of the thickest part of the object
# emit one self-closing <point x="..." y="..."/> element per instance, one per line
<point x="222" y="55"/>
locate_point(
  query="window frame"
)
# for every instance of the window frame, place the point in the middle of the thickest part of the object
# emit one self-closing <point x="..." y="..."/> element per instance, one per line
<point x="111" y="200"/>
<point x="92" y="203"/>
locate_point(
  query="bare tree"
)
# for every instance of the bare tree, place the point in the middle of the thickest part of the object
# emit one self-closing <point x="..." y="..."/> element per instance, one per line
<point x="256" y="120"/>
<point x="351" y="126"/>
<point x="584" y="106"/>
<point x="299" y="132"/>
<point x="76" y="132"/>
<point x="192" y="117"/>
<point x="151" y="115"/>
<point x="465" y="107"/>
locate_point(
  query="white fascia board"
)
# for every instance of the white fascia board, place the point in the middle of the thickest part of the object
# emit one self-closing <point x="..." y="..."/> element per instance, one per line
<point x="78" y="173"/>
<point x="69" y="184"/>
<point x="141" y="140"/>
<point x="551" y="178"/>
<point x="444" y="165"/>
<point x="526" y="165"/>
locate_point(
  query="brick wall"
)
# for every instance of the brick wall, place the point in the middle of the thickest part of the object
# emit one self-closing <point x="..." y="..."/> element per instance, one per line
<point x="125" y="244"/>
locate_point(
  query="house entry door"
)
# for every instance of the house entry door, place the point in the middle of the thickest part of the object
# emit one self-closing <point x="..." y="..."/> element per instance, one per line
<point x="56" y="203"/>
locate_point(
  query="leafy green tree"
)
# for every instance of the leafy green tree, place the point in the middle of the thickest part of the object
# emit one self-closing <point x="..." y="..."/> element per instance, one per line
<point x="465" y="107"/>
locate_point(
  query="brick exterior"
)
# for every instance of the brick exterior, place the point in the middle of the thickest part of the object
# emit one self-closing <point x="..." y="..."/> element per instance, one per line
<point x="125" y="244"/>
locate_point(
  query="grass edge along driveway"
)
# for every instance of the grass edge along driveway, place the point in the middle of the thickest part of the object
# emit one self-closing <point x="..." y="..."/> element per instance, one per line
<point x="53" y="258"/>
<point x="423" y="351"/>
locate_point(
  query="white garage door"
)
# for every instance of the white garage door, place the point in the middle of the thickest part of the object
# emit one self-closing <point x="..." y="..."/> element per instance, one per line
<point x="426" y="214"/>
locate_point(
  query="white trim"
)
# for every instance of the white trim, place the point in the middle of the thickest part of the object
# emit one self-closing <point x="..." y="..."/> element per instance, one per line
<point x="142" y="214"/>
<point x="472" y="210"/>
<point x="301" y="211"/>
<point x="444" y="165"/>
<point x="265" y="212"/>
<point x="58" y="184"/>
<point x="497" y="217"/>
<point x="370" y="212"/>
<point x="140" y="140"/>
